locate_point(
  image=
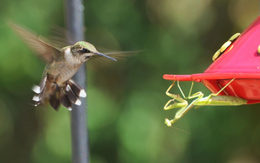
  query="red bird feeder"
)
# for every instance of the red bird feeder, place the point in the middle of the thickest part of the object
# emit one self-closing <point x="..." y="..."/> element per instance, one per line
<point x="234" y="73"/>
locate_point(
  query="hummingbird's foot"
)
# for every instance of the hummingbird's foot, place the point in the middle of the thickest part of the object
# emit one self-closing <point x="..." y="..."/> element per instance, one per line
<point x="57" y="86"/>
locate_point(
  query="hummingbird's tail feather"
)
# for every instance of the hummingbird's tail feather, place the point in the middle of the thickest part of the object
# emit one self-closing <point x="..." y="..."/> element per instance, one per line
<point x="66" y="95"/>
<point x="78" y="91"/>
<point x="36" y="89"/>
<point x="65" y="101"/>
<point x="54" y="101"/>
<point x="39" y="90"/>
<point x="71" y="95"/>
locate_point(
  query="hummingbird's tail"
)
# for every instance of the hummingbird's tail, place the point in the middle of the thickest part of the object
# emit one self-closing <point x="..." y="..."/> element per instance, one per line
<point x="69" y="93"/>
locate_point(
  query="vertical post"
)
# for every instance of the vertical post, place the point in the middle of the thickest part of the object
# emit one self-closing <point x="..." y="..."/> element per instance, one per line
<point x="75" y="27"/>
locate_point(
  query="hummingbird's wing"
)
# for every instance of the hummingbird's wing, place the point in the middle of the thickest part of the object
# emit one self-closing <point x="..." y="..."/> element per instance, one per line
<point x="60" y="37"/>
<point x="43" y="49"/>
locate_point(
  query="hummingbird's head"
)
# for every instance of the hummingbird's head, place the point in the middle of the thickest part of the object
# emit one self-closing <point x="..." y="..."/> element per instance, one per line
<point x="83" y="51"/>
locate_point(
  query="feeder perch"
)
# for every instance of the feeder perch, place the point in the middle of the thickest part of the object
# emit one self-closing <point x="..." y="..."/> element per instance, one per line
<point x="237" y="59"/>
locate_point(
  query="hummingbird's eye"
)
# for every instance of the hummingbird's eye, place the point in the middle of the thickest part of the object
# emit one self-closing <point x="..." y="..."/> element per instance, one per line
<point x="84" y="50"/>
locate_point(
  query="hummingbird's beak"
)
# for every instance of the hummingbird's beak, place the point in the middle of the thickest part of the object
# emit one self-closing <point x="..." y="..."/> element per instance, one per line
<point x="97" y="53"/>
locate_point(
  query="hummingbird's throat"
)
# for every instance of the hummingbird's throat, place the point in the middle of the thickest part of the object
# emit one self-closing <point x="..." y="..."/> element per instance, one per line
<point x="70" y="58"/>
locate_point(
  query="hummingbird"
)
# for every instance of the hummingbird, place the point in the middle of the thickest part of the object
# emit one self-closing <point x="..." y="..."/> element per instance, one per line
<point x="56" y="85"/>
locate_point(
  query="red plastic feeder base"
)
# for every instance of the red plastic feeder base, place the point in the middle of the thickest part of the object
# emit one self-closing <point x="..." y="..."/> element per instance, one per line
<point x="240" y="61"/>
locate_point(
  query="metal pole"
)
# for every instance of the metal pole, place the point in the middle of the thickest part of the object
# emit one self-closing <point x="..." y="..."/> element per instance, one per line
<point x="79" y="133"/>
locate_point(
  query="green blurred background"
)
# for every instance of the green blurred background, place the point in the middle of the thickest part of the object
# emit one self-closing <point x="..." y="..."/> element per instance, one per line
<point x="126" y="99"/>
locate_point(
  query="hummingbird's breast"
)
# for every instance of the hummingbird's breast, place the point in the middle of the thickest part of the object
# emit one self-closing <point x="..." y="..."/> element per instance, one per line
<point x="61" y="71"/>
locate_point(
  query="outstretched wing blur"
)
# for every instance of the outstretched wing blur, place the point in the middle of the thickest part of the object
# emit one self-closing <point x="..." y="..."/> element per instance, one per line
<point x="40" y="47"/>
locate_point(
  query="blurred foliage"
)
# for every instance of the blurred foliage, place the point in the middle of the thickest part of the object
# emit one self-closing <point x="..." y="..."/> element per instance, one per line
<point x="126" y="99"/>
